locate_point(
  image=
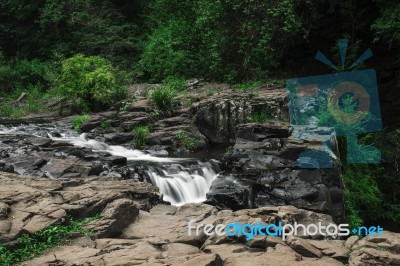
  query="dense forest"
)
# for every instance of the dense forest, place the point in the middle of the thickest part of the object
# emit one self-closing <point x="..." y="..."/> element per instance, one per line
<point x="49" y="47"/>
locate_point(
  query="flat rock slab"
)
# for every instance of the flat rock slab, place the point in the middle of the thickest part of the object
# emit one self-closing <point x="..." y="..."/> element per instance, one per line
<point x="29" y="204"/>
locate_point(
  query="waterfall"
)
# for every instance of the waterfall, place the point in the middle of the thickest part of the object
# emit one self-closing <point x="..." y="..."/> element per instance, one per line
<point x="180" y="184"/>
<point x="180" y="180"/>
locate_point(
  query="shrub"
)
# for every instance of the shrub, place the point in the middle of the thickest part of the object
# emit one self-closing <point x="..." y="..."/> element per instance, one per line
<point x="77" y="121"/>
<point x="140" y="135"/>
<point x="16" y="76"/>
<point x="89" y="81"/>
<point x="164" y="99"/>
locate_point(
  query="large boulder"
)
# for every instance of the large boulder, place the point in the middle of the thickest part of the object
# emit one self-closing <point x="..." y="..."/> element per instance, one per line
<point x="217" y="116"/>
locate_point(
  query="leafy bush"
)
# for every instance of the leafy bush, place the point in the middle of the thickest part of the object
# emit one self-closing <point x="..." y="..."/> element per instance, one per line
<point x="16" y="76"/>
<point x="78" y="120"/>
<point x="33" y="245"/>
<point x="88" y="80"/>
<point x="140" y="135"/>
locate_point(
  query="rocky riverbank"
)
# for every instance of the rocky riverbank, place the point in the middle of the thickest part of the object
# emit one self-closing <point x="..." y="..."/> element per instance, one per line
<point x="135" y="227"/>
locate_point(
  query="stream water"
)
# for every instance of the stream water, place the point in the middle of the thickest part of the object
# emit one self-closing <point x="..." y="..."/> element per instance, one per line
<point x="181" y="180"/>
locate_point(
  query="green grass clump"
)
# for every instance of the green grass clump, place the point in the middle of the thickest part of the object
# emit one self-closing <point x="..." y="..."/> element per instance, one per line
<point x="248" y="86"/>
<point x="105" y="125"/>
<point x="78" y="120"/>
<point x="183" y="140"/>
<point x="32" y="246"/>
<point x="229" y="149"/>
<point x="33" y="103"/>
<point x="259" y="117"/>
<point x="164" y="98"/>
<point x="140" y="135"/>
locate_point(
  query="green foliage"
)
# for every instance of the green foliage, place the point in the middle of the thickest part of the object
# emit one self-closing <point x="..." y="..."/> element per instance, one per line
<point x="387" y="26"/>
<point x="363" y="198"/>
<point x="50" y="28"/>
<point x="229" y="149"/>
<point x="33" y="103"/>
<point x="183" y="140"/>
<point x="140" y="136"/>
<point x="259" y="117"/>
<point x="16" y="76"/>
<point x="32" y="246"/>
<point x="206" y="38"/>
<point x="6" y="109"/>
<point x="175" y="83"/>
<point x="164" y="98"/>
<point x="105" y="125"/>
<point x="165" y="53"/>
<point x="78" y="120"/>
<point x="89" y="80"/>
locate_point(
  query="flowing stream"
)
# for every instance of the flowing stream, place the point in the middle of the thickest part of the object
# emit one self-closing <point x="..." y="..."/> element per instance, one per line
<point x="181" y="180"/>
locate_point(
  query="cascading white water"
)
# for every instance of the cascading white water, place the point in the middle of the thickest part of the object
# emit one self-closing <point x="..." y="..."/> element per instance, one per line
<point x="179" y="184"/>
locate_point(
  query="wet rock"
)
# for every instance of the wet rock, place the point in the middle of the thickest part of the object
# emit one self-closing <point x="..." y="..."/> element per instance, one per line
<point x="118" y="138"/>
<point x="36" y="141"/>
<point x="116" y="160"/>
<point x="267" y="154"/>
<point x="88" y="126"/>
<point x="218" y="116"/>
<point x="228" y="193"/>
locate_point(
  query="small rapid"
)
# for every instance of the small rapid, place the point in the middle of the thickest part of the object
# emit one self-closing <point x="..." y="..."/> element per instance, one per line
<point x="180" y="180"/>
